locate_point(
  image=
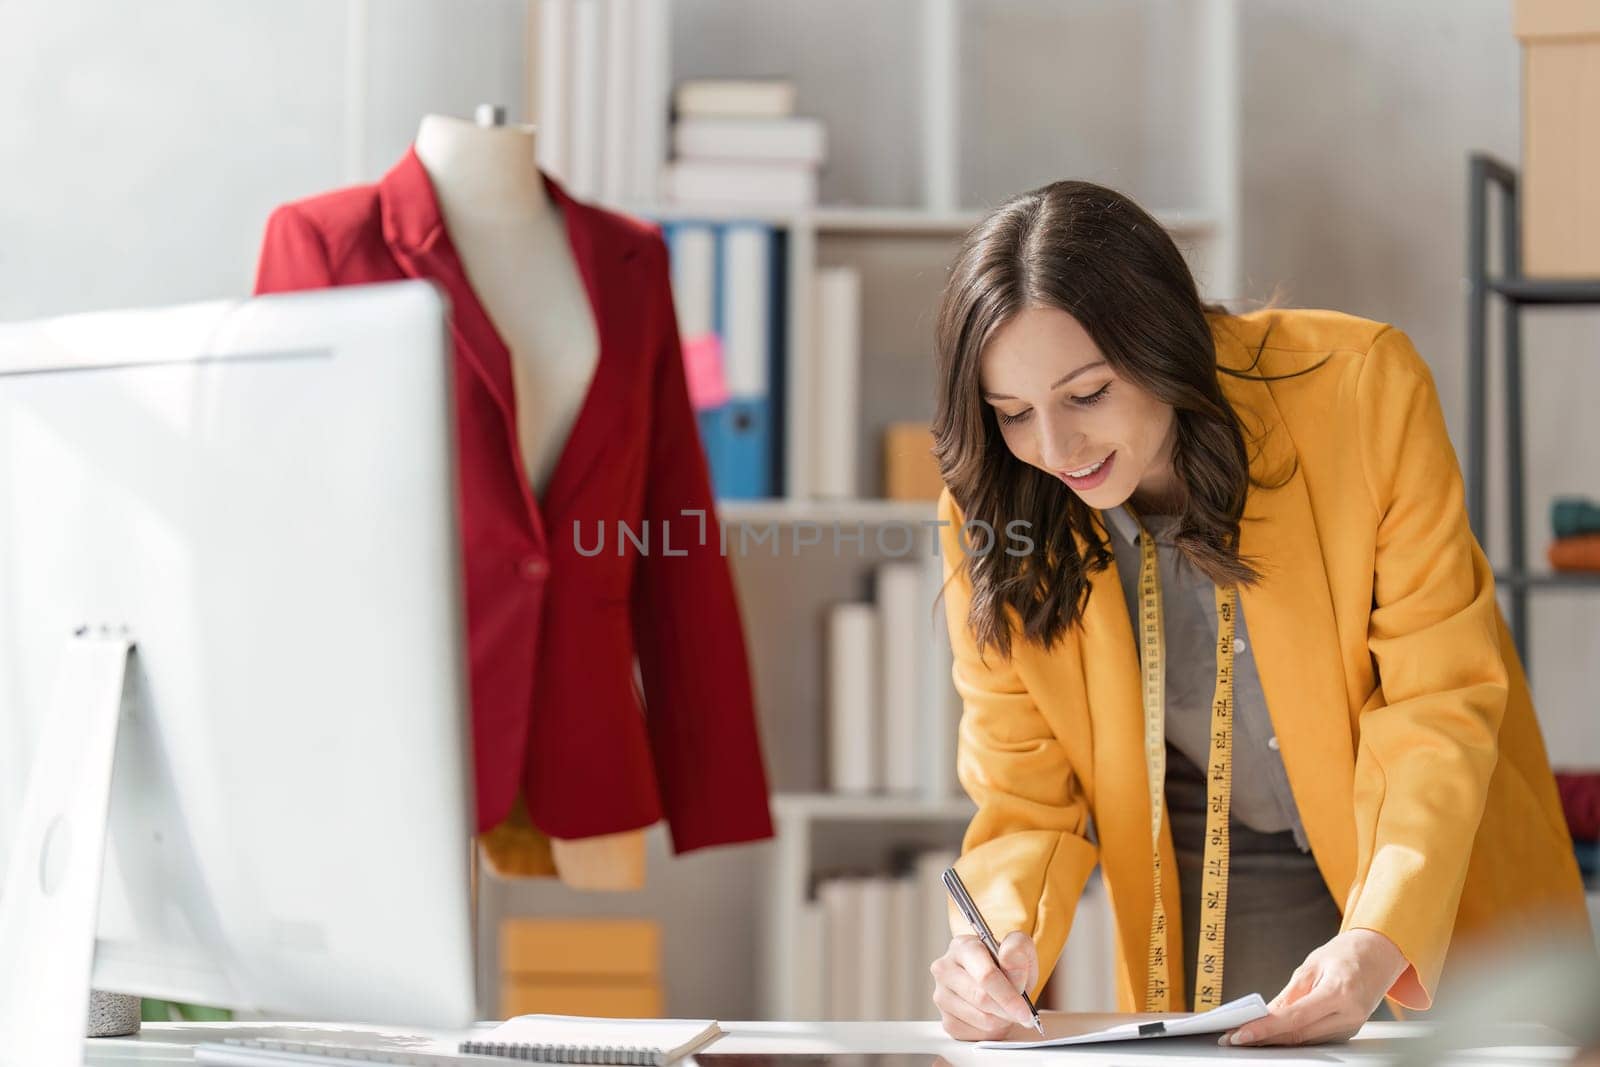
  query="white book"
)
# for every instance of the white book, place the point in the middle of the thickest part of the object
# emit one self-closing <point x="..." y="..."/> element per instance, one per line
<point x="836" y="335"/>
<point x="555" y="46"/>
<point x="941" y="101"/>
<point x="810" y="973"/>
<point x="652" y="91"/>
<point x="752" y="98"/>
<point x="746" y="311"/>
<point x="933" y="912"/>
<point x="694" y="278"/>
<point x="588" y="92"/>
<point x="841" y="909"/>
<point x="872" y="949"/>
<point x="852" y="697"/>
<point x="941" y="703"/>
<point x="796" y="140"/>
<point x="772" y="185"/>
<point x="911" y="988"/>
<point x="902" y="628"/>
<point x="617" y="136"/>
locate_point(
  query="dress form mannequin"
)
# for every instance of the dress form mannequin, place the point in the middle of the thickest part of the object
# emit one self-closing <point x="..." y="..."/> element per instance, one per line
<point x="513" y="245"/>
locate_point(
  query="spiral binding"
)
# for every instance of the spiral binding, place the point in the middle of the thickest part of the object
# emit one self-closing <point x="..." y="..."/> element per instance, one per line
<point x="603" y="1055"/>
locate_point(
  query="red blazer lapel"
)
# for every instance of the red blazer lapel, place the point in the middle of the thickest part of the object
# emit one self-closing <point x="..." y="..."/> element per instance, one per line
<point x="415" y="231"/>
<point x="607" y="260"/>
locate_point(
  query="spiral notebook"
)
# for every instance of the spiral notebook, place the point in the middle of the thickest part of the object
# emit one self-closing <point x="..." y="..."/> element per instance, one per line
<point x="581" y="1039"/>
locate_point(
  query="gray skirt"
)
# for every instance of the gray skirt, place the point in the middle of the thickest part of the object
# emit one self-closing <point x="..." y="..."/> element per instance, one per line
<point x="1279" y="909"/>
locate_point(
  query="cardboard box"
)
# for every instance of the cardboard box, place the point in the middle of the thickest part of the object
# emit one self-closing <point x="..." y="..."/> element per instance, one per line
<point x="608" y="1000"/>
<point x="580" y="947"/>
<point x="909" y="470"/>
<point x="1560" y="137"/>
<point x="604" y="967"/>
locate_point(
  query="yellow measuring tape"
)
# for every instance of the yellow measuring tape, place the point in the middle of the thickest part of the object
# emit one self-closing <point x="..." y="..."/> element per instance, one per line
<point x="1219" y="787"/>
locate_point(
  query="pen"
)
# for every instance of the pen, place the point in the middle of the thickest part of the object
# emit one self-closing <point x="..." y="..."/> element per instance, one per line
<point x="964" y="901"/>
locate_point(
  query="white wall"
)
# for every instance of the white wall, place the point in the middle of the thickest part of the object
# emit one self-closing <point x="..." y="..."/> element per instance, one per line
<point x="1358" y="118"/>
<point x="142" y="146"/>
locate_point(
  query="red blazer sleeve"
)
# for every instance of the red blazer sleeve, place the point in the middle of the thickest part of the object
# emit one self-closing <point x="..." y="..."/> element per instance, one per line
<point x="293" y="255"/>
<point x="687" y="630"/>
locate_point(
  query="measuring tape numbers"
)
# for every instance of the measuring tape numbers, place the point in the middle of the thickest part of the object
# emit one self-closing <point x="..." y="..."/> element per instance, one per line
<point x="1219" y="787"/>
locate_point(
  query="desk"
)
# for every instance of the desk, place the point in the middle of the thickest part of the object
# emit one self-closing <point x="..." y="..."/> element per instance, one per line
<point x="160" y="1045"/>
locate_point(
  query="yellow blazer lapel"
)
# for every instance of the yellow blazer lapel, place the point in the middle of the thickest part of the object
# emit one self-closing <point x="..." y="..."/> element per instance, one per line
<point x="1289" y="615"/>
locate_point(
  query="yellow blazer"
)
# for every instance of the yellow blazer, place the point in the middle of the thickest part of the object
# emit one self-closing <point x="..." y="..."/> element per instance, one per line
<point x="1400" y="706"/>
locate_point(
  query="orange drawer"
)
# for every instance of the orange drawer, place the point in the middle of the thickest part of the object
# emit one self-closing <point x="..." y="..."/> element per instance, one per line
<point x="611" y="1000"/>
<point x="571" y="948"/>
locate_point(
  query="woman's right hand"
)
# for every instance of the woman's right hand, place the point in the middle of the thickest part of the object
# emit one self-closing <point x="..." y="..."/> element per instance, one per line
<point x="978" y="1001"/>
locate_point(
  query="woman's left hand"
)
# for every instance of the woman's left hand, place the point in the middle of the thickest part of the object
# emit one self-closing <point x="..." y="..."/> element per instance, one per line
<point x="1330" y="995"/>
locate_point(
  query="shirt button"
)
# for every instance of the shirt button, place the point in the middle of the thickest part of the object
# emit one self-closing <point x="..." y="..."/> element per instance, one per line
<point x="1238" y="645"/>
<point x="534" y="569"/>
<point x="1272" y="743"/>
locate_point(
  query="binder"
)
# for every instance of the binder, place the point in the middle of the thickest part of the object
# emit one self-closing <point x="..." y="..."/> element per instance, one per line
<point x="729" y="296"/>
<point x="692" y="253"/>
<point x="738" y="441"/>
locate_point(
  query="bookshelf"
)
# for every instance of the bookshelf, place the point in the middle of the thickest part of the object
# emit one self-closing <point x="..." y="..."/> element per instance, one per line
<point x="810" y="826"/>
<point x="805" y="807"/>
<point x="930" y="121"/>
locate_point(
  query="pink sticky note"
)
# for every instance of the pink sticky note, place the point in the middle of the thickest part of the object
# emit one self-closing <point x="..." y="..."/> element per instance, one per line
<point x="702" y="366"/>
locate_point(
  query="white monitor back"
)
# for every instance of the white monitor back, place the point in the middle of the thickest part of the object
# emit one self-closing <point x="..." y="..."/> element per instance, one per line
<point x="263" y="493"/>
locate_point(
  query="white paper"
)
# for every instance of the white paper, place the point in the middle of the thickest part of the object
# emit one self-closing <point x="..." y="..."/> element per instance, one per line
<point x="1232" y="1014"/>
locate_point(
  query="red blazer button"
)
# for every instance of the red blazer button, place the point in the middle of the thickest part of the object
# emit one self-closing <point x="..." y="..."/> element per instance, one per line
<point x="534" y="569"/>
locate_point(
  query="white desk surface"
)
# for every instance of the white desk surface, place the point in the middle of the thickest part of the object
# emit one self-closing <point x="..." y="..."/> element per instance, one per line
<point x="160" y="1044"/>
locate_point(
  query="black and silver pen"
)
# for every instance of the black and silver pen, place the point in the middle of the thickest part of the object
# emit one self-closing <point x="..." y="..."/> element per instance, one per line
<point x="969" y="908"/>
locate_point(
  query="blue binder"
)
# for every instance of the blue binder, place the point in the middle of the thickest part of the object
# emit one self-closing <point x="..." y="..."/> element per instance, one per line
<point x="738" y="443"/>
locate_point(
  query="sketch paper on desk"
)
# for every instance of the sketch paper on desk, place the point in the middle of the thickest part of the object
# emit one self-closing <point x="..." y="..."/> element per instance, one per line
<point x="1086" y="1029"/>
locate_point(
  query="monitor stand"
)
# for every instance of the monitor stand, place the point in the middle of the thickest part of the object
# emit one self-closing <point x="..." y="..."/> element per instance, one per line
<point x="51" y="904"/>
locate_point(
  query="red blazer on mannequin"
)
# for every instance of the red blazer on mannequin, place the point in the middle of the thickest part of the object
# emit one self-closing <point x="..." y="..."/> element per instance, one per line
<point x="552" y="631"/>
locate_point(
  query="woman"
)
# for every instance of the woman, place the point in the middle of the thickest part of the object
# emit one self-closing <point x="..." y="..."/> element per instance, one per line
<point x="1205" y="563"/>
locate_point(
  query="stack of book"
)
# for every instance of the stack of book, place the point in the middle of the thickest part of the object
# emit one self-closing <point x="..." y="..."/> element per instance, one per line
<point x="728" y="282"/>
<point x="893" y="711"/>
<point x="867" y="940"/>
<point x="739" y="142"/>
<point x="602" y="95"/>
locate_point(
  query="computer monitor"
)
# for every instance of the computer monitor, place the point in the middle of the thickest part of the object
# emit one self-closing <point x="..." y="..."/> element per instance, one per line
<point x="260" y="496"/>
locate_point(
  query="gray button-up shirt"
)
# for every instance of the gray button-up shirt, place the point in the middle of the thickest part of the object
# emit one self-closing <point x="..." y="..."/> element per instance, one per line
<point x="1261" y="796"/>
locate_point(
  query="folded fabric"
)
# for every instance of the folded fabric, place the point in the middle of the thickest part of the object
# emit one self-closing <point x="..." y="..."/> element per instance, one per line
<point x="1572" y="515"/>
<point x="1580" y="801"/>
<point x="1580" y="552"/>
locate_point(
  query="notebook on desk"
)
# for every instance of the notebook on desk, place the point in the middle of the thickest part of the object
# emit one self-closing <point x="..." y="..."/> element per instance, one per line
<point x="580" y="1039"/>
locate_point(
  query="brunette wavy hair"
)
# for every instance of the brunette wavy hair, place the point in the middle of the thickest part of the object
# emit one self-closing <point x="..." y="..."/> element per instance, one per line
<point x="1093" y="253"/>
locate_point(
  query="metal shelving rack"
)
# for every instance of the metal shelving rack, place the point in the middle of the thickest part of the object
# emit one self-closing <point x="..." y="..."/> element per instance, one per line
<point x="1517" y="292"/>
